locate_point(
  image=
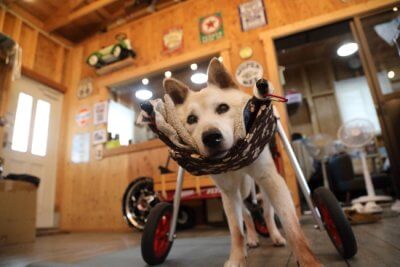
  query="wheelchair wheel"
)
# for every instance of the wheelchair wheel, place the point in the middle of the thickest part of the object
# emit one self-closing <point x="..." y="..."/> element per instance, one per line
<point x="155" y="243"/>
<point x="335" y="222"/>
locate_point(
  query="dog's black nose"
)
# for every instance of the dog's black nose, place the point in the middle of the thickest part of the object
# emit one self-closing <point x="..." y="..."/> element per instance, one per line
<point x="212" y="138"/>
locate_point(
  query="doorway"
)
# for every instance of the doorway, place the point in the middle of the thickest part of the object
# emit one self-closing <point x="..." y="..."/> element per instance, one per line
<point x="30" y="140"/>
<point x="342" y="71"/>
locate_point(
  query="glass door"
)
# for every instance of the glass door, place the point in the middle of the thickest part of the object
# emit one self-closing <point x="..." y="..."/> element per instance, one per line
<point x="379" y="35"/>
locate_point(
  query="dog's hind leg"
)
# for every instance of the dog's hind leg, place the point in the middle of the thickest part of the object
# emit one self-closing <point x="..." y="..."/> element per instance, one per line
<point x="251" y="233"/>
<point x="269" y="217"/>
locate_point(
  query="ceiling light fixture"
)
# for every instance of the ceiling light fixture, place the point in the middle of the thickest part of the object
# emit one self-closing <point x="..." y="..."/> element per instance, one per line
<point x="168" y="74"/>
<point x="347" y="49"/>
<point x="199" y="78"/>
<point x="193" y="66"/>
<point x="145" y="81"/>
<point x="221" y="59"/>
<point x="143" y="94"/>
<point x="395" y="9"/>
<point x="390" y="74"/>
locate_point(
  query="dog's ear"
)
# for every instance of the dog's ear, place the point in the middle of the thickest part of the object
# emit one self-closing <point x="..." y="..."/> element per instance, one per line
<point x="177" y="90"/>
<point x="218" y="75"/>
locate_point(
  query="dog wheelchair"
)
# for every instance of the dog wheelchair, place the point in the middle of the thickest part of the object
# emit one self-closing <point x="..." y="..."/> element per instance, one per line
<point x="159" y="231"/>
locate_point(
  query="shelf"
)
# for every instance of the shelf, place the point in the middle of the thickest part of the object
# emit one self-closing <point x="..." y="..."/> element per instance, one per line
<point x="115" y="66"/>
<point x="152" y="144"/>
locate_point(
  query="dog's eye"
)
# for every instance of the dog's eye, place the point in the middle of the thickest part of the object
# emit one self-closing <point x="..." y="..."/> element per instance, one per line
<point x="222" y="108"/>
<point x="191" y="119"/>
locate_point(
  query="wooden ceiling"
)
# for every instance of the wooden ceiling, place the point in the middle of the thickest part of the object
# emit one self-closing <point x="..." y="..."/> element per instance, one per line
<point x="76" y="20"/>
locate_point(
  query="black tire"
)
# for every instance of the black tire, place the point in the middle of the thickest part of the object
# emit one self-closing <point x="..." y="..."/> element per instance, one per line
<point x="186" y="218"/>
<point x="335" y="222"/>
<point x="141" y="188"/>
<point x="124" y="53"/>
<point x="154" y="232"/>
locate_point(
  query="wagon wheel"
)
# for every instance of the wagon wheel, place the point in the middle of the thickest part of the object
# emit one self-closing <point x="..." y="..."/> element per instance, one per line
<point x="139" y="198"/>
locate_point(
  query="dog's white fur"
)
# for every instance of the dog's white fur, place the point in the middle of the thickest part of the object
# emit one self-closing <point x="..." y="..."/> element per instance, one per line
<point x="235" y="186"/>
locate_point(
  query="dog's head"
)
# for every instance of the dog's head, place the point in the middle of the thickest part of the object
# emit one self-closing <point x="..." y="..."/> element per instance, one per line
<point x="209" y="114"/>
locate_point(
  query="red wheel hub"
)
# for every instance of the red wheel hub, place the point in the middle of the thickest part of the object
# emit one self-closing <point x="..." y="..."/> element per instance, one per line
<point x="161" y="241"/>
<point x="330" y="225"/>
<point x="261" y="227"/>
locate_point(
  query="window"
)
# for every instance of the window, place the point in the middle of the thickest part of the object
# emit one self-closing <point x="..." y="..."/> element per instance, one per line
<point x="41" y="128"/>
<point x="22" y="123"/>
<point x="126" y="98"/>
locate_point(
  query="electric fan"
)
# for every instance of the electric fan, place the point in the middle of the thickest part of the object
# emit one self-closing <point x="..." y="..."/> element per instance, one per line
<point x="320" y="147"/>
<point x="356" y="134"/>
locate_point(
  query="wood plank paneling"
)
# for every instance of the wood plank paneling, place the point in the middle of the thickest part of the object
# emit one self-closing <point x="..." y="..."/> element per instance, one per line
<point x="92" y="192"/>
<point x="9" y="24"/>
<point x="47" y="58"/>
<point x="41" y="54"/>
<point x="2" y="18"/>
<point x="28" y="41"/>
<point x="328" y="116"/>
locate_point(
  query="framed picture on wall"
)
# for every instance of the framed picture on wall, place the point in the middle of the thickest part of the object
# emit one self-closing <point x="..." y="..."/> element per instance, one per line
<point x="252" y="15"/>
<point x="99" y="136"/>
<point x="100" y="113"/>
<point x="80" y="147"/>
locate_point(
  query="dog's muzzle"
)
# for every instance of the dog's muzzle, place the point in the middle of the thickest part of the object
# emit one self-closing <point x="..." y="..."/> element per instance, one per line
<point x="212" y="138"/>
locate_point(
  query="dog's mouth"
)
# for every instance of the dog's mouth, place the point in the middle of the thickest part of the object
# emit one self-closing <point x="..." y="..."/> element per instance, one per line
<point x="217" y="154"/>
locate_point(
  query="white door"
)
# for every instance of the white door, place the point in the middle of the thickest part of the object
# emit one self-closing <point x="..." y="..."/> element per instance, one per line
<point x="31" y="139"/>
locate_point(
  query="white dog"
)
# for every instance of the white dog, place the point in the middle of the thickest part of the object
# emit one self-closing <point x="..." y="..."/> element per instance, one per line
<point x="209" y="115"/>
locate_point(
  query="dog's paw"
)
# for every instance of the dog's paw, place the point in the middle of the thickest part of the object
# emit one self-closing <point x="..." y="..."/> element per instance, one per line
<point x="253" y="244"/>
<point x="252" y="241"/>
<point x="278" y="240"/>
<point x="235" y="263"/>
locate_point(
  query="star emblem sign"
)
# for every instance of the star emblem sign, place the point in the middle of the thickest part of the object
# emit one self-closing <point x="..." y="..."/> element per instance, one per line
<point x="210" y="24"/>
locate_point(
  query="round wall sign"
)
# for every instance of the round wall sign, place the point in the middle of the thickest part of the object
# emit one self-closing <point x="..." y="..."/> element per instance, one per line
<point x="249" y="72"/>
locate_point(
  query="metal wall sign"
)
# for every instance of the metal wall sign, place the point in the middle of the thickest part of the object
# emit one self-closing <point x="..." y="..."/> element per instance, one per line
<point x="211" y="28"/>
<point x="249" y="72"/>
<point x="82" y="118"/>
<point x="173" y="40"/>
<point x="252" y="15"/>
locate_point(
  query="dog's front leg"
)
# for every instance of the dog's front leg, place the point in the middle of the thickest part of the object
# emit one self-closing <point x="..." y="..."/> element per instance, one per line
<point x="233" y="210"/>
<point x="274" y="185"/>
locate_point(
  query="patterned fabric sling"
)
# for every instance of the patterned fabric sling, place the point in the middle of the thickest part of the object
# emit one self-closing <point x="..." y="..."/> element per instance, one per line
<point x="260" y="124"/>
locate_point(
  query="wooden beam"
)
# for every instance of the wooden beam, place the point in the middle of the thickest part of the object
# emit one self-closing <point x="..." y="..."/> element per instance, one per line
<point x="325" y="19"/>
<point x="43" y="79"/>
<point x="57" y="21"/>
<point x="273" y="75"/>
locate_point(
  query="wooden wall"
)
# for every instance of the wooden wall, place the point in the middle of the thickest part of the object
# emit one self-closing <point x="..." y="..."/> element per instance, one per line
<point x="44" y="55"/>
<point x="89" y="195"/>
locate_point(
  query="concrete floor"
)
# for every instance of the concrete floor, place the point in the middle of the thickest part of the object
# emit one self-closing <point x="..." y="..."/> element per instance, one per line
<point x="379" y="245"/>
